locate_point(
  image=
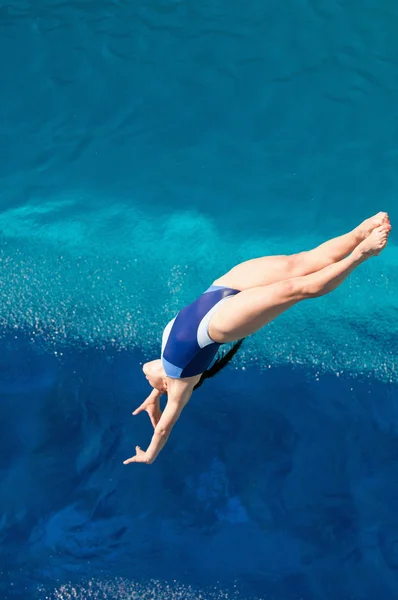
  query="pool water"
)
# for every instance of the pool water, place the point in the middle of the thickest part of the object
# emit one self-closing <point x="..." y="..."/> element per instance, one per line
<point x="145" y="149"/>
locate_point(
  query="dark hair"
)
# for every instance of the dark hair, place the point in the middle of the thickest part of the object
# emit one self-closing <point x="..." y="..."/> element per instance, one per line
<point x="221" y="361"/>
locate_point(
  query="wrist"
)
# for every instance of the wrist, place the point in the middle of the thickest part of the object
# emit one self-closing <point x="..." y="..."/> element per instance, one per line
<point x="148" y="460"/>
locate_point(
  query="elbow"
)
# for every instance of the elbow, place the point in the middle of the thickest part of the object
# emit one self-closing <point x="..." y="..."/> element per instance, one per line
<point x="162" y="432"/>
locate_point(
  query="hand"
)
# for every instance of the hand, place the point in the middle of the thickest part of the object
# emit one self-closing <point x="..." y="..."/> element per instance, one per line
<point x="152" y="406"/>
<point x="140" y="457"/>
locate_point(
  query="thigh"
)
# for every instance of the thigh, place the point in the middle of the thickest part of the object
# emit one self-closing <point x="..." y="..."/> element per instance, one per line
<point x="259" y="272"/>
<point x="250" y="310"/>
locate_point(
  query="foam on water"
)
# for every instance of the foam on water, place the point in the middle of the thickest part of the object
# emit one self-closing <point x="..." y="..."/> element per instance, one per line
<point x="120" y="277"/>
<point x="123" y="589"/>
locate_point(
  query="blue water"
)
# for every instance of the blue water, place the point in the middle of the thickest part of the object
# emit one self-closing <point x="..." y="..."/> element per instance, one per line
<point x="145" y="148"/>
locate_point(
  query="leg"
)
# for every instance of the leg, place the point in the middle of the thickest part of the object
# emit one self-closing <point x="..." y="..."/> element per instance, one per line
<point x="250" y="310"/>
<point x="270" y="269"/>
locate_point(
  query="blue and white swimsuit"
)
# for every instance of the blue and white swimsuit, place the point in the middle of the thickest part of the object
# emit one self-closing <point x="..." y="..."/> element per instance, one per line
<point x="187" y="348"/>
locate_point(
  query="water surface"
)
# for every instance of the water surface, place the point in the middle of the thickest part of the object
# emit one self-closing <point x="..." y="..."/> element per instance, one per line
<point x="145" y="148"/>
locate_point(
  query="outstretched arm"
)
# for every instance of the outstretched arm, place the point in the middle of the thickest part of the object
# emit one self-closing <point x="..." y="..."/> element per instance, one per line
<point x="178" y="396"/>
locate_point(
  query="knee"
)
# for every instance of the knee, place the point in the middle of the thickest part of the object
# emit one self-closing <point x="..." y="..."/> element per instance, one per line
<point x="313" y="289"/>
<point x="292" y="289"/>
<point x="302" y="288"/>
<point x="296" y="264"/>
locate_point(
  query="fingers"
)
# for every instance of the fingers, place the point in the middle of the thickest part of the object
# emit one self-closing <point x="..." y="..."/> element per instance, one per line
<point x="150" y="401"/>
<point x="142" y="407"/>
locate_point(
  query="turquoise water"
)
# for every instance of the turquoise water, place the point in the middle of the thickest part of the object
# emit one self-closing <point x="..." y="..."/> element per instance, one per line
<point x="145" y="149"/>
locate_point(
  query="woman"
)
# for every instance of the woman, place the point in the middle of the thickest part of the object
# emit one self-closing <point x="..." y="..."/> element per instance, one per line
<point x="238" y="304"/>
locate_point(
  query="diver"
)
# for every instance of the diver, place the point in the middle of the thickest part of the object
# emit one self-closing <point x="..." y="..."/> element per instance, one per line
<point x="237" y="305"/>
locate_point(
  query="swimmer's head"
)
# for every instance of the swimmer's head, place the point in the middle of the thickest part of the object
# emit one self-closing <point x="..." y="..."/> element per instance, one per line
<point x="155" y="374"/>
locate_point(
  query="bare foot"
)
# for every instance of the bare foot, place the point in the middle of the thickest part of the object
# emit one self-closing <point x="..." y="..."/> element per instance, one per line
<point x="375" y="242"/>
<point x="366" y="228"/>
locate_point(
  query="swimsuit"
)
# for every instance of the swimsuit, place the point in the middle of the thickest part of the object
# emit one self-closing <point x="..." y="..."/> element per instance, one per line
<point x="187" y="348"/>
